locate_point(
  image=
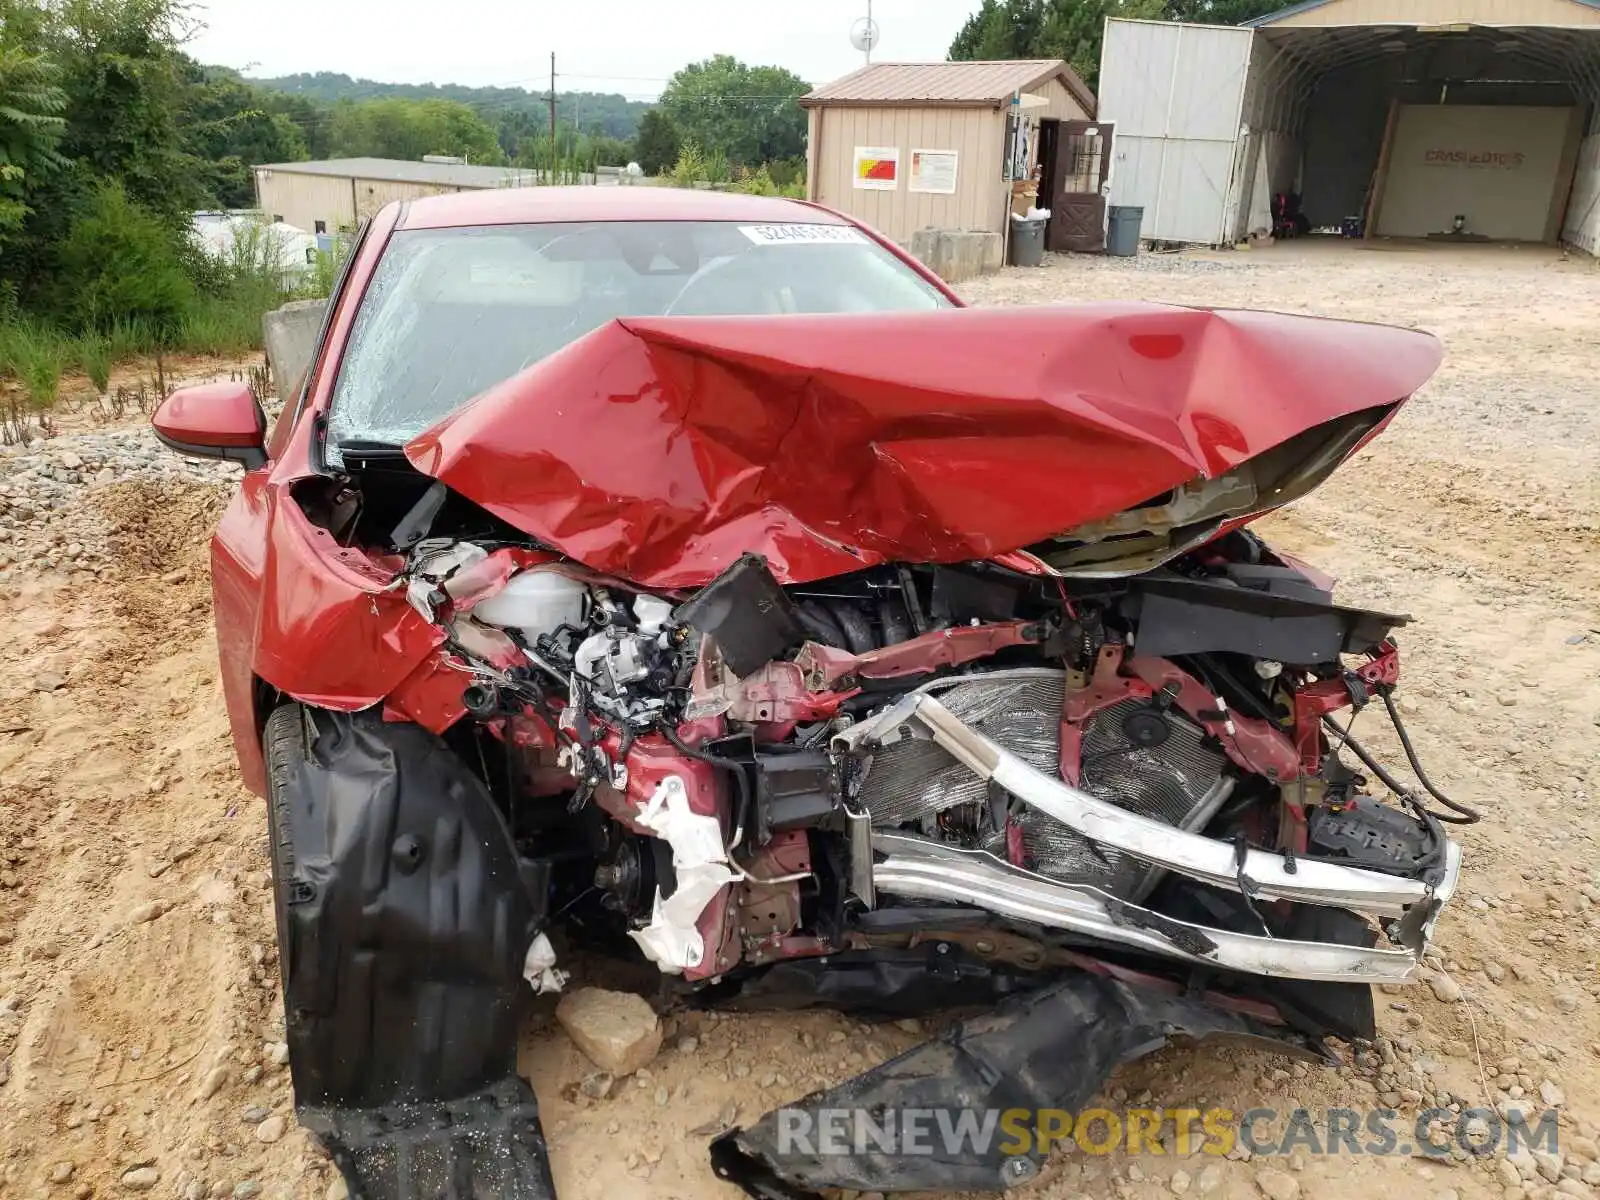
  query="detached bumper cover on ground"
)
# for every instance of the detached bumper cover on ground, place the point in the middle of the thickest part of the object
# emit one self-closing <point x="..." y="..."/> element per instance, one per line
<point x="1049" y="1050"/>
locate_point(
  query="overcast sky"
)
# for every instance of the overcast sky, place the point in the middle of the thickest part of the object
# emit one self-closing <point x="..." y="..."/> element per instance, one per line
<point x="627" y="46"/>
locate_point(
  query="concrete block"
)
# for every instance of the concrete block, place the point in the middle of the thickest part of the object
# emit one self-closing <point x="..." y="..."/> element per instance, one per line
<point x="290" y="335"/>
<point x="958" y="254"/>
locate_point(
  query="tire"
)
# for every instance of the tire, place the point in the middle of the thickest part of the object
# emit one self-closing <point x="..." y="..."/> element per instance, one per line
<point x="283" y="745"/>
<point x="402" y="925"/>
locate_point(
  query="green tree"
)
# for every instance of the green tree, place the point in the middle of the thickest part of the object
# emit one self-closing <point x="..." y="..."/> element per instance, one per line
<point x="123" y="78"/>
<point x="227" y="129"/>
<point x="592" y="113"/>
<point x="1221" y="12"/>
<point x="656" y="147"/>
<point x="31" y="124"/>
<point x="1075" y="29"/>
<point x="409" y="129"/>
<point x="749" y="114"/>
<point x="122" y="263"/>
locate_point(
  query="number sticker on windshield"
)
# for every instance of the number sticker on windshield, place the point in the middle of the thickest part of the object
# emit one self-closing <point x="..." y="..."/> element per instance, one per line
<point x="803" y="235"/>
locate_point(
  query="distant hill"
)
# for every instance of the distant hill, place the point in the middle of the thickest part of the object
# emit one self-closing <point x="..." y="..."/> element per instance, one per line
<point x="604" y="113"/>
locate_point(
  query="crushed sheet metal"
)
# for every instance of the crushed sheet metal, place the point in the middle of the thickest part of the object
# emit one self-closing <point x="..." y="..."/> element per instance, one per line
<point x="1048" y="1049"/>
<point x="828" y="443"/>
<point x="1191" y="854"/>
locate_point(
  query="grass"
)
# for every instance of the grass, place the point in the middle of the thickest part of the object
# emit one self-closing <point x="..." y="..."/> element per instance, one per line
<point x="225" y="321"/>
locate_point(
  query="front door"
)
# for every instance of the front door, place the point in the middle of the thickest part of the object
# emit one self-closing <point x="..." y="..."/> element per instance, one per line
<point x="1078" y="189"/>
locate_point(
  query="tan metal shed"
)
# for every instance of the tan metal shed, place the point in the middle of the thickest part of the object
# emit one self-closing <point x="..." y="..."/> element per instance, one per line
<point x="339" y="193"/>
<point x="912" y="146"/>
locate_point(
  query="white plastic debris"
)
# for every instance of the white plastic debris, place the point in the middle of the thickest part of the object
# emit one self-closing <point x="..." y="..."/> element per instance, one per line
<point x="700" y="862"/>
<point x="1033" y="214"/>
<point x="539" y="968"/>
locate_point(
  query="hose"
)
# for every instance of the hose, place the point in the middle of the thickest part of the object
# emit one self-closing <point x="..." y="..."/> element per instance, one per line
<point x="896" y="625"/>
<point x="857" y="629"/>
<point x="741" y="781"/>
<point x="1468" y="816"/>
<point x="819" y="623"/>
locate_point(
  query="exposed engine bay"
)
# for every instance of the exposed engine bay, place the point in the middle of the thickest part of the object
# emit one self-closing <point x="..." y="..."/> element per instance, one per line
<point x="1146" y="766"/>
<point x="889" y="682"/>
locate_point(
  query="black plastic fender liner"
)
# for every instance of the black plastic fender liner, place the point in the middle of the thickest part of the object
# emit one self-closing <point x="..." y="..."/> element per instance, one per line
<point x="1049" y="1049"/>
<point x="403" y="928"/>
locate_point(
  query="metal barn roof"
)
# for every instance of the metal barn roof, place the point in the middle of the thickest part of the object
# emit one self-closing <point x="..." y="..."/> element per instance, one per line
<point x="396" y="170"/>
<point x="965" y="84"/>
<point x="1294" y="10"/>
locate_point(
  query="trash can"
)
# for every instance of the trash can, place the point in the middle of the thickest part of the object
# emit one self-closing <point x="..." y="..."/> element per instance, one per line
<point x="1122" y="234"/>
<point x="1027" y="242"/>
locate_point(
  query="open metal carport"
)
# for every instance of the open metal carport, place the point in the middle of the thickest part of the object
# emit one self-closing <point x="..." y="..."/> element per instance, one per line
<point x="1412" y="118"/>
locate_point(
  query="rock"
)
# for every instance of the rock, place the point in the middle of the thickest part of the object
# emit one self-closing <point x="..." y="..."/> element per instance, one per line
<point x="181" y="575"/>
<point x="246" y="1188"/>
<point x="597" y="1085"/>
<point x="1179" y="1183"/>
<point x="141" y="1179"/>
<point x="337" y="1190"/>
<point x="909" y="1025"/>
<point x="1508" y="1173"/>
<point x="1567" y="1003"/>
<point x="1547" y="1164"/>
<point x="1210" y="1180"/>
<point x="1551" y="1094"/>
<point x="1447" y="990"/>
<point x="271" y="1129"/>
<point x="194" y="1190"/>
<point x="1277" y="1185"/>
<point x="688" y="1045"/>
<point x="255" y="1114"/>
<point x="618" y="1031"/>
<point x="278" y="1054"/>
<point x="105" y="475"/>
<point x="61" y="1172"/>
<point x="70" y="460"/>
<point x="148" y="911"/>
<point x="49" y="681"/>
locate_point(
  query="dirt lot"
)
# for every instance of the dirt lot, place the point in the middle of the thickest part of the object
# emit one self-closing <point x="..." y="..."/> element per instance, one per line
<point x="140" y="1036"/>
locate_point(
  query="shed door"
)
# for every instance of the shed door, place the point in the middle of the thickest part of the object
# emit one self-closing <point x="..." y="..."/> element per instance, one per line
<point x="1078" y="192"/>
<point x="1176" y="93"/>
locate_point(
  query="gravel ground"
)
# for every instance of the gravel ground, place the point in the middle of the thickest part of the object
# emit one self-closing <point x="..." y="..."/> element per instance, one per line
<point x="140" y="1033"/>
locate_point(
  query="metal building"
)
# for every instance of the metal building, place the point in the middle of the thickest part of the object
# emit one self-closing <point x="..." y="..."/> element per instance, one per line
<point x="912" y="146"/>
<point x="1456" y="119"/>
<point x="340" y="193"/>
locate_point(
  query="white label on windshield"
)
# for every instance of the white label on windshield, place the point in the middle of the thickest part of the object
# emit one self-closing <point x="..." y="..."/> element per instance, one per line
<point x="803" y="235"/>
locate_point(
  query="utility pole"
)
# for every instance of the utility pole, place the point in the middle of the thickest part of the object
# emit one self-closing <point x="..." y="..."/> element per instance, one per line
<point x="552" y="116"/>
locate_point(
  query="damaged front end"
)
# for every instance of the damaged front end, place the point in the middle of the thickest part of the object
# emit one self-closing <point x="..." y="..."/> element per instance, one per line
<point x="1019" y="714"/>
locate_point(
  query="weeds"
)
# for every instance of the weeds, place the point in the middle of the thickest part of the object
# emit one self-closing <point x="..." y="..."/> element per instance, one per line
<point x="94" y="357"/>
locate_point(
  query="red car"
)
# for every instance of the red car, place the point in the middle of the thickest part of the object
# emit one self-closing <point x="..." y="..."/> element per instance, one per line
<point x="691" y="577"/>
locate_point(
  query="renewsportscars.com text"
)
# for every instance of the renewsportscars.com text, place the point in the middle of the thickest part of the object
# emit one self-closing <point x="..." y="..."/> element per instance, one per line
<point x="1434" y="1132"/>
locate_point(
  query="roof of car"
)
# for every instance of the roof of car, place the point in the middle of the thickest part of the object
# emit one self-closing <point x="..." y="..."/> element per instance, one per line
<point x="530" y="205"/>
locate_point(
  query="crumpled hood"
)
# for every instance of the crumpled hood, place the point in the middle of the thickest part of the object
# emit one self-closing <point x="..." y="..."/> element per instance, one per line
<point x="661" y="449"/>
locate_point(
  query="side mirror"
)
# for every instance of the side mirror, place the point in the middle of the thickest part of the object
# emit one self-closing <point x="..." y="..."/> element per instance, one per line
<point x="214" y="420"/>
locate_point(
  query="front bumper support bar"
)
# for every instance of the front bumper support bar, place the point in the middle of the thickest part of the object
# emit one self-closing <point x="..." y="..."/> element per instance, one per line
<point x="927" y="870"/>
<point x="1270" y="876"/>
